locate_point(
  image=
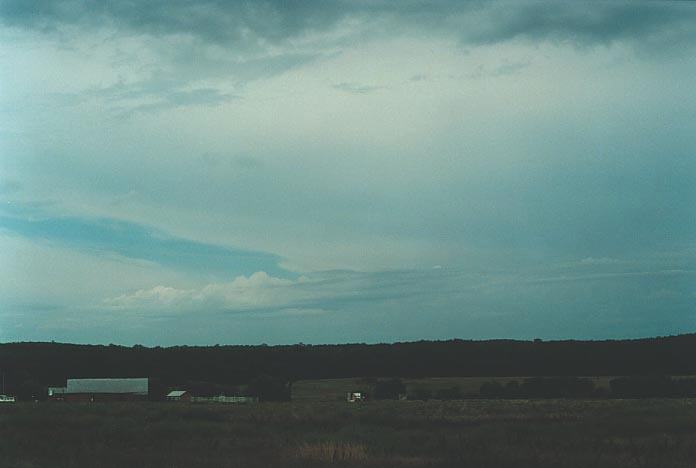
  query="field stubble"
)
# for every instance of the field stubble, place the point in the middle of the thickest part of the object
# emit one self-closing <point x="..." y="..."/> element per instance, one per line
<point x="475" y="433"/>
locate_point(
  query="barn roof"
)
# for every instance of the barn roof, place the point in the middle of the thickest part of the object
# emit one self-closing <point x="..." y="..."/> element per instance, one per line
<point x="176" y="393"/>
<point x="137" y="386"/>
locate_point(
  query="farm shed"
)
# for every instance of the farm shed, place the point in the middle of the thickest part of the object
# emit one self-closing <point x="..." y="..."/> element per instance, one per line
<point x="178" y="395"/>
<point x="56" y="393"/>
<point x="225" y="399"/>
<point x="356" y="396"/>
<point x="104" y="390"/>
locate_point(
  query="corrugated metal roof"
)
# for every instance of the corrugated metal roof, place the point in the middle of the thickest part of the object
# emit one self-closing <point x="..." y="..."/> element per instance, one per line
<point x="138" y="386"/>
<point x="176" y="393"/>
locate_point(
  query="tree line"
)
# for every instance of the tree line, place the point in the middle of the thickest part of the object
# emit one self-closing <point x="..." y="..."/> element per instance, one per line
<point x="30" y="367"/>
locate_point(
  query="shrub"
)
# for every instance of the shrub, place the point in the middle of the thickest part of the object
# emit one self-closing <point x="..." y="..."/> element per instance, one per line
<point x="541" y="387"/>
<point x="652" y="386"/>
<point x="332" y="452"/>
<point x="450" y="393"/>
<point x="389" y="389"/>
<point x="419" y="393"/>
<point x="557" y="387"/>
<point x="492" y="389"/>
<point x="269" y="388"/>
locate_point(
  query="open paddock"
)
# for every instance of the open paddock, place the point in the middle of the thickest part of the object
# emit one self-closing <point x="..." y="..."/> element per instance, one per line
<point x="475" y="433"/>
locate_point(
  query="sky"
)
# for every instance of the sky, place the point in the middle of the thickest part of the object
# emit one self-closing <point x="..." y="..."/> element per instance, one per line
<point x="234" y="172"/>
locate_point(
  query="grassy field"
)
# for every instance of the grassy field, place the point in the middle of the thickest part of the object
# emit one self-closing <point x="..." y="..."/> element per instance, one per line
<point x="473" y="433"/>
<point x="336" y="389"/>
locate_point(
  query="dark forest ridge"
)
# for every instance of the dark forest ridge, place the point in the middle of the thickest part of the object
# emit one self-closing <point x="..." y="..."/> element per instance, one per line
<point x="41" y="364"/>
<point x="355" y="343"/>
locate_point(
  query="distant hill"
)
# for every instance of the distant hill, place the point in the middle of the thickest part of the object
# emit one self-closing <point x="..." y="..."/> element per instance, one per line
<point x="30" y="366"/>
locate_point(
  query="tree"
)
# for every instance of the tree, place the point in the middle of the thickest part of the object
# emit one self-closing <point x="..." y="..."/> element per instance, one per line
<point x="419" y="393"/>
<point x="269" y="388"/>
<point x="449" y="393"/>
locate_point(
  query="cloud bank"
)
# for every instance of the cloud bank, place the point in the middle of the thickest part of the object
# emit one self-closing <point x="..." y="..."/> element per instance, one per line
<point x="248" y="23"/>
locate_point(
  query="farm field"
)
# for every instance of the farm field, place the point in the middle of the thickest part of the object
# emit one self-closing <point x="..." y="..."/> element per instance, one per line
<point x="336" y="389"/>
<point x="470" y="433"/>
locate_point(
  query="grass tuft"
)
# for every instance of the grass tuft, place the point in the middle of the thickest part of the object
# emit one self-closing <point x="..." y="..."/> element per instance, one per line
<point x="332" y="452"/>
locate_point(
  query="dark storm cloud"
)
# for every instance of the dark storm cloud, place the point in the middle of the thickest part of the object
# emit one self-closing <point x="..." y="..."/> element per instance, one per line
<point x="214" y="20"/>
<point x="276" y="20"/>
<point x="585" y="22"/>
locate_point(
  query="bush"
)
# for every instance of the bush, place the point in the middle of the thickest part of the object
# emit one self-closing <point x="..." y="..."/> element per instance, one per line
<point x="450" y="393"/>
<point x="492" y="389"/>
<point x="419" y="393"/>
<point x="557" y="387"/>
<point x="652" y="386"/>
<point x="389" y="389"/>
<point x="541" y="387"/>
<point x="269" y="388"/>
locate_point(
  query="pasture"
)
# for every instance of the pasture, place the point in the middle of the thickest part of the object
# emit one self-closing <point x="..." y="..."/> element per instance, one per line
<point x="467" y="433"/>
<point x="336" y="389"/>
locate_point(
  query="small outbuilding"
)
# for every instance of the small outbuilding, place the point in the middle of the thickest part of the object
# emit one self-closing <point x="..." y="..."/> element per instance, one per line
<point x="356" y="396"/>
<point x="57" y="393"/>
<point x="225" y="399"/>
<point x="178" y="395"/>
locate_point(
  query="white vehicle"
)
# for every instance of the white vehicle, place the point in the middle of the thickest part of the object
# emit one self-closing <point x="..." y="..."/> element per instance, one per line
<point x="7" y="399"/>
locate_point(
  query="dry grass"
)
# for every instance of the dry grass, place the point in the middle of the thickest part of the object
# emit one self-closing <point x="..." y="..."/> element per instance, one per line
<point x="332" y="452"/>
<point x="336" y="389"/>
<point x="386" y="434"/>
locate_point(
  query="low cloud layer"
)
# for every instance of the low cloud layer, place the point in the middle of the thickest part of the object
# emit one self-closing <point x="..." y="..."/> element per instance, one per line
<point x="257" y="291"/>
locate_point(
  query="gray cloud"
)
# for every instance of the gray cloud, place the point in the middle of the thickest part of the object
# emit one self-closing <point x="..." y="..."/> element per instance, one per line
<point x="173" y="99"/>
<point x="504" y="69"/>
<point x="239" y="22"/>
<point x="554" y="190"/>
<point x="584" y="22"/>
<point x="212" y="20"/>
<point x="238" y="42"/>
<point x="339" y="306"/>
<point x="154" y="96"/>
<point x="178" y="86"/>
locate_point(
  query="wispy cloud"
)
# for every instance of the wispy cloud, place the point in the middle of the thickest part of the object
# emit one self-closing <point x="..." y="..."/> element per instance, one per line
<point x="356" y="88"/>
<point x="257" y="291"/>
<point x="335" y="289"/>
<point x="599" y="261"/>
<point x="502" y="69"/>
<point x="163" y="99"/>
<point x="112" y="236"/>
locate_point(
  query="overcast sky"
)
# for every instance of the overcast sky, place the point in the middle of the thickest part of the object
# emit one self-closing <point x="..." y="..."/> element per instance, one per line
<point x="209" y="171"/>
